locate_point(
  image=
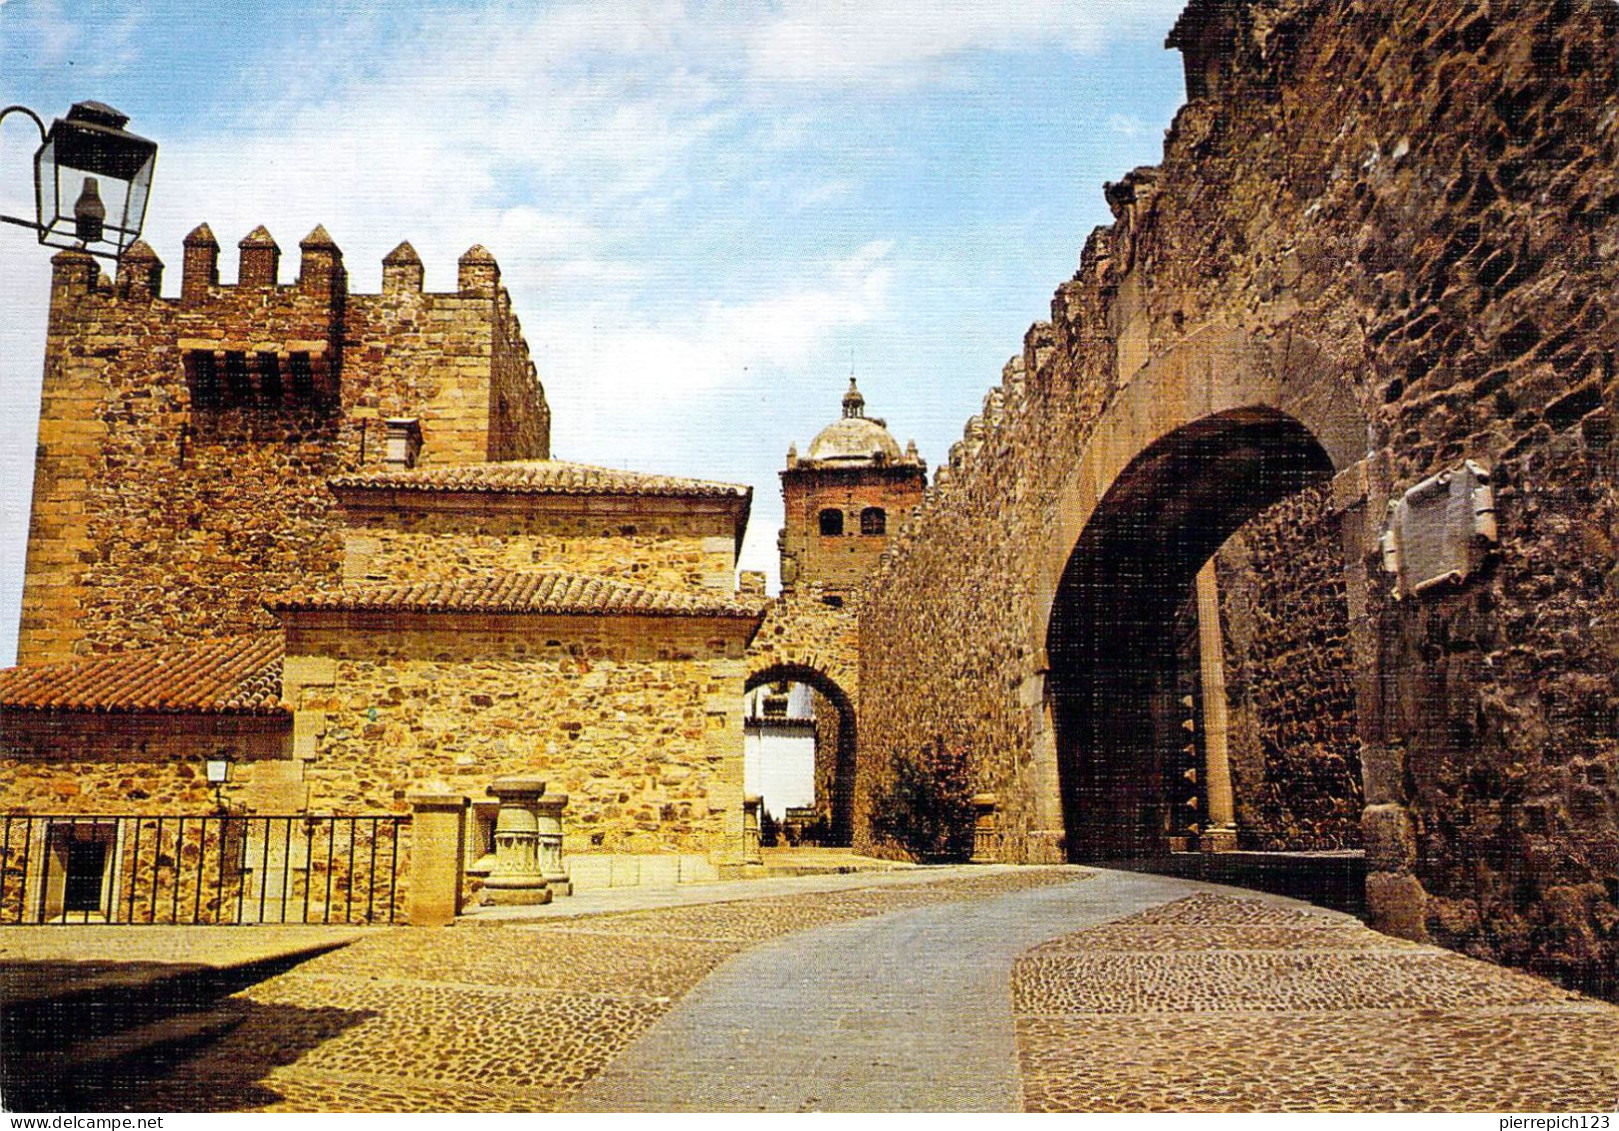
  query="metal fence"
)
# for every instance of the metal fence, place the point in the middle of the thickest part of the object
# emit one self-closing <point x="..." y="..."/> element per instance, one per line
<point x="204" y="870"/>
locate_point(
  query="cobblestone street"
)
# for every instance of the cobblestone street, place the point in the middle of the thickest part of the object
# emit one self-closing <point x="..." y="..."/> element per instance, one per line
<point x="502" y="1016"/>
<point x="1218" y="1003"/>
<point x="1175" y="996"/>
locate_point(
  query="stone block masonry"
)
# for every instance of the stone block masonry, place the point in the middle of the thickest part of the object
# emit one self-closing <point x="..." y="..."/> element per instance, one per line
<point x="637" y="720"/>
<point x="185" y="443"/>
<point x="1383" y="234"/>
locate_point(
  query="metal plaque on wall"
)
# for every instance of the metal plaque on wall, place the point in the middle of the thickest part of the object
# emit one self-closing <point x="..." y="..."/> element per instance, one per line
<point x="1439" y="530"/>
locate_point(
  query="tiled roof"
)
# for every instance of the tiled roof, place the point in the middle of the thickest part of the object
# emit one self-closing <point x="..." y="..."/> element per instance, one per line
<point x="553" y="593"/>
<point x="536" y="477"/>
<point x="238" y="676"/>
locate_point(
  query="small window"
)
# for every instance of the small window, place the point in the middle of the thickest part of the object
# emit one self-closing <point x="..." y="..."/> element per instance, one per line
<point x="203" y="373"/>
<point x="237" y="388"/>
<point x="303" y="376"/>
<point x="833" y="600"/>
<point x="873" y="520"/>
<point x="831" y="523"/>
<point x="269" y="367"/>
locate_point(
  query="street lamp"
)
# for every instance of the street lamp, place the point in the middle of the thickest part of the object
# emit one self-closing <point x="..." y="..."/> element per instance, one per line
<point x="91" y="180"/>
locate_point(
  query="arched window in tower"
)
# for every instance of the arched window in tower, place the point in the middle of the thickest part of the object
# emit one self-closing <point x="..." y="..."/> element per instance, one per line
<point x="874" y="520"/>
<point x="831" y="523"/>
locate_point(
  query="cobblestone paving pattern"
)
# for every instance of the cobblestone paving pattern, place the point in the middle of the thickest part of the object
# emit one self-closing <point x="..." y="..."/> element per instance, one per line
<point x="1215" y="1003"/>
<point x="506" y="1016"/>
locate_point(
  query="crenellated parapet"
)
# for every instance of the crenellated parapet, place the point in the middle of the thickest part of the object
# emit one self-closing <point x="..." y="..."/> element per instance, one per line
<point x="185" y="440"/>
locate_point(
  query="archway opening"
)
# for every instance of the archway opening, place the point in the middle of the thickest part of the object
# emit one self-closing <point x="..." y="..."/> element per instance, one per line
<point x="1138" y="669"/>
<point x="798" y="715"/>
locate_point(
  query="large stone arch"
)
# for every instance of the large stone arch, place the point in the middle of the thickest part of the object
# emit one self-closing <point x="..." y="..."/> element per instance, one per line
<point x="1218" y="370"/>
<point x="1198" y="441"/>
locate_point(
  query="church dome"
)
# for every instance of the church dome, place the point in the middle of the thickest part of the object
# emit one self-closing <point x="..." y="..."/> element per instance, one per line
<point x="855" y="438"/>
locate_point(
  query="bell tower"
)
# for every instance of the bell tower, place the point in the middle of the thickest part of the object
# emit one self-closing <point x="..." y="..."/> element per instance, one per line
<point x="844" y="499"/>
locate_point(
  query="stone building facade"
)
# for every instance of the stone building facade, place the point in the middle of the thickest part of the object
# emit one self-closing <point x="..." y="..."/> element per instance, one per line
<point x="185" y="442"/>
<point x="1380" y="249"/>
<point x="316" y="539"/>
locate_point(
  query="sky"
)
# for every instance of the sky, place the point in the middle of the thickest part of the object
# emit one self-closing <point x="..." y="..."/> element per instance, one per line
<point x="708" y="215"/>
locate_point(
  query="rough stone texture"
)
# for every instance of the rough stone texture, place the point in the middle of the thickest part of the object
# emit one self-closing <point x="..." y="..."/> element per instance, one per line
<point x="1388" y="226"/>
<point x="158" y="515"/>
<point x="128" y="764"/>
<point x="805" y="640"/>
<point x="648" y="542"/>
<point x="1194" y="1006"/>
<point x="1294" y="748"/>
<point x="637" y="720"/>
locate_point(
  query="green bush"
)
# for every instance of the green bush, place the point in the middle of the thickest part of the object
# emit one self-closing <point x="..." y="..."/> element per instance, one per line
<point x="926" y="807"/>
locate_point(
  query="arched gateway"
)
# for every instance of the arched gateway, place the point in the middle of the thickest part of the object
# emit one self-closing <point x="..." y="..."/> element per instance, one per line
<point x="1200" y="441"/>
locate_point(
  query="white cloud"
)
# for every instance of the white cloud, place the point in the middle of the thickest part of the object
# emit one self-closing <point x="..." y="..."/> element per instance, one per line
<point x="1127" y="125"/>
<point x="903" y="41"/>
<point x="654" y="361"/>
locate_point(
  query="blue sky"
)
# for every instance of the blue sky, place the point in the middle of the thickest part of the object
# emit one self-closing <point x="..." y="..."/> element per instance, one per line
<point x="707" y="215"/>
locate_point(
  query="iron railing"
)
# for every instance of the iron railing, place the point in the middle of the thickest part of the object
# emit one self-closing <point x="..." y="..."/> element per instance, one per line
<point x="201" y="870"/>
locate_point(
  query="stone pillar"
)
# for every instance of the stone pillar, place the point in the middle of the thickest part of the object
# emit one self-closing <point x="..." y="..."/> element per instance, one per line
<point x="437" y="858"/>
<point x="986" y="830"/>
<point x="1220" y="829"/>
<point x="752" y="852"/>
<point x="549" y="813"/>
<point x="516" y="879"/>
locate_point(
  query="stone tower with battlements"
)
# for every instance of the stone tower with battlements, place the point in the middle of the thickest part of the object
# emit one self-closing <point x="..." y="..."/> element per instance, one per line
<point x="185" y="442"/>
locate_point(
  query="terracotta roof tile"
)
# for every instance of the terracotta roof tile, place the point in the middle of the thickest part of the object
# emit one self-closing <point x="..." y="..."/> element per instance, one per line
<point x="552" y="593"/>
<point x="536" y="477"/>
<point x="238" y="676"/>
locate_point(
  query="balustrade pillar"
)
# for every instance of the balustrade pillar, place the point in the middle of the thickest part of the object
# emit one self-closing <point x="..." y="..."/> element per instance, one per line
<point x="549" y="813"/>
<point x="516" y="879"/>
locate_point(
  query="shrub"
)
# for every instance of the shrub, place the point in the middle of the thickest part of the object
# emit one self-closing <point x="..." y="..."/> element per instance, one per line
<point x="926" y="807"/>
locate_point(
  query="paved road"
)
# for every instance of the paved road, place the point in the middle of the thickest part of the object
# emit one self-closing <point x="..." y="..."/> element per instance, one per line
<point x="909" y="1011"/>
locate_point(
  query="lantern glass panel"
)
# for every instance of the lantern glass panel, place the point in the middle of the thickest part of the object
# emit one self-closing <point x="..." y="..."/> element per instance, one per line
<point x="92" y="181"/>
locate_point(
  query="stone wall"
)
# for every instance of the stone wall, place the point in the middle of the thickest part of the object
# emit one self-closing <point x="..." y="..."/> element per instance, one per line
<point x="185" y="443"/>
<point x="1399" y="217"/>
<point x="519" y="420"/>
<point x="1294" y="750"/>
<point x="802" y="635"/>
<point x="636" y="719"/>
<point x="645" y="541"/>
<point x="116" y="763"/>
